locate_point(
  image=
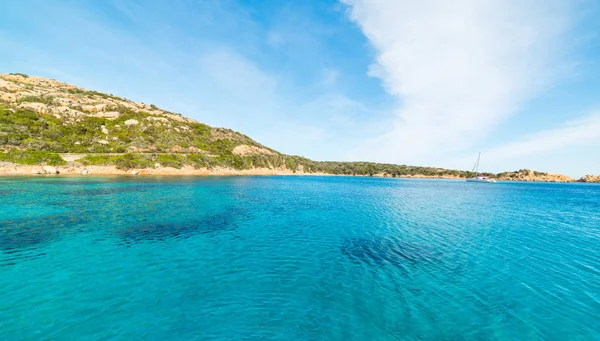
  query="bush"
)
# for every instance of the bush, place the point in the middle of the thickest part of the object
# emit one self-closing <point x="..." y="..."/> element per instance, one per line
<point x="36" y="99"/>
<point x="32" y="157"/>
<point x="130" y="161"/>
<point x="171" y="160"/>
<point x="198" y="160"/>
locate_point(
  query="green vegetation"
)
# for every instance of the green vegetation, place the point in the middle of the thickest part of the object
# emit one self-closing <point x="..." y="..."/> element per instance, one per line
<point x="19" y="74"/>
<point x="148" y="139"/>
<point x="45" y="100"/>
<point x="32" y="157"/>
<point x="25" y="129"/>
<point x="293" y="163"/>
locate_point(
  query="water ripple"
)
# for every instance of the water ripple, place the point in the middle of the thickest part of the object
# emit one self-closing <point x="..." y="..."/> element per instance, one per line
<point x="300" y="258"/>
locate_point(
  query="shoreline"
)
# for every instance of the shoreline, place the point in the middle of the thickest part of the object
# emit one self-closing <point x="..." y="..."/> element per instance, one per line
<point x="29" y="170"/>
<point x="85" y="171"/>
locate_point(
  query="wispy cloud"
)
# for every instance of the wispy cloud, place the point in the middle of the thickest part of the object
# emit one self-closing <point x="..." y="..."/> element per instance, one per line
<point x="457" y="68"/>
<point x="580" y="132"/>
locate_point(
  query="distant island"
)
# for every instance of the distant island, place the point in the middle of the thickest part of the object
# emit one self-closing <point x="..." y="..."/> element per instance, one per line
<point x="52" y="127"/>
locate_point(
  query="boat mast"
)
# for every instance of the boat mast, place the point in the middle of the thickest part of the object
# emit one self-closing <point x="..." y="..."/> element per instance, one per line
<point x="476" y="167"/>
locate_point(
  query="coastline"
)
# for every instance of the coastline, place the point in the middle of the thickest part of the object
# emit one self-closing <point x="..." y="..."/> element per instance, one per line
<point x="11" y="169"/>
<point x="33" y="170"/>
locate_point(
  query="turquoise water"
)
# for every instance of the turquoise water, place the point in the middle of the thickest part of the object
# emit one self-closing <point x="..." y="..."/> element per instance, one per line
<point x="297" y="258"/>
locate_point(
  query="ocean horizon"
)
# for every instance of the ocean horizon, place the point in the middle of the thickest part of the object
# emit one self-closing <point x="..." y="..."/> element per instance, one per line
<point x="297" y="258"/>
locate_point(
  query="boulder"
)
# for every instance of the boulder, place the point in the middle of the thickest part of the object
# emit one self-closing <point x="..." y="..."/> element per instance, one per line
<point x="134" y="172"/>
<point x="51" y="170"/>
<point x="104" y="142"/>
<point x="84" y="172"/>
<point x="104" y="130"/>
<point x="37" y="171"/>
<point x="131" y="122"/>
<point x="111" y="115"/>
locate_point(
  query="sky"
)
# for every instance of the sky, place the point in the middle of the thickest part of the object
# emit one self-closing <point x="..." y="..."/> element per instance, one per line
<point x="429" y="83"/>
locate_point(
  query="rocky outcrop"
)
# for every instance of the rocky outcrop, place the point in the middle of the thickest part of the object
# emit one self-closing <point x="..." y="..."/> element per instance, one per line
<point x="590" y="178"/>
<point x="65" y="101"/>
<point x="244" y="150"/>
<point x="529" y="175"/>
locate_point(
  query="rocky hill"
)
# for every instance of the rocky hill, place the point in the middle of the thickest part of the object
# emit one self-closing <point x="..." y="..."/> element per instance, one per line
<point x="590" y="178"/>
<point x="529" y="175"/>
<point x="44" y="122"/>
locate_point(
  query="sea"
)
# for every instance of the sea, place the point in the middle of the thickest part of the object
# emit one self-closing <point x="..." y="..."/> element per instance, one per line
<point x="297" y="258"/>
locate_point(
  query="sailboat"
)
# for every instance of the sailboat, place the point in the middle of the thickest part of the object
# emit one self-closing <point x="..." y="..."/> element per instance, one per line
<point x="479" y="177"/>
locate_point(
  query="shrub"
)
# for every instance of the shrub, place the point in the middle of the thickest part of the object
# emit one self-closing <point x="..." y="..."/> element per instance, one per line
<point x="171" y="160"/>
<point x="32" y="157"/>
<point x="129" y="161"/>
<point x="19" y="74"/>
<point x="198" y="160"/>
<point x="37" y="99"/>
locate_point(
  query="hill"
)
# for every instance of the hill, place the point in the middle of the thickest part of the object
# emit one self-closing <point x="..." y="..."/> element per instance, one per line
<point x="47" y="122"/>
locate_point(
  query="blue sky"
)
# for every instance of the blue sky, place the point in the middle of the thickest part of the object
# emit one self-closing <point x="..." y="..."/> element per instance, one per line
<point x="427" y="83"/>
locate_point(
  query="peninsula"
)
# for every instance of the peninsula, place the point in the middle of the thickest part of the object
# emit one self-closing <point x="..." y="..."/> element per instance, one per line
<point x="47" y="126"/>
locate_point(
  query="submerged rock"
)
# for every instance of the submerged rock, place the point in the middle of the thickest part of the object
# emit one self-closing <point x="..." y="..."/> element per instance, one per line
<point x="386" y="250"/>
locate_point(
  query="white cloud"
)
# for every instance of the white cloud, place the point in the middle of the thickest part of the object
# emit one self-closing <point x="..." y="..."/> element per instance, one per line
<point x="458" y="68"/>
<point x="581" y="132"/>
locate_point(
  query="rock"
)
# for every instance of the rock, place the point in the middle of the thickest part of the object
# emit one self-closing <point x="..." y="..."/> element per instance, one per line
<point x="89" y="108"/>
<point x="244" y="149"/>
<point x="51" y="170"/>
<point x="104" y="142"/>
<point x="8" y="97"/>
<point x="111" y="115"/>
<point x="529" y="175"/>
<point x="37" y="171"/>
<point x="34" y="106"/>
<point x="157" y="165"/>
<point x="131" y="122"/>
<point x="84" y="172"/>
<point x="590" y="178"/>
<point x="101" y="106"/>
<point x="77" y="143"/>
<point x="134" y="172"/>
<point x="104" y="130"/>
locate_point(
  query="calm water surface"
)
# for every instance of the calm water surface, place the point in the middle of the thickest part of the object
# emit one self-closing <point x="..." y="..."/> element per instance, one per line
<point x="297" y="258"/>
